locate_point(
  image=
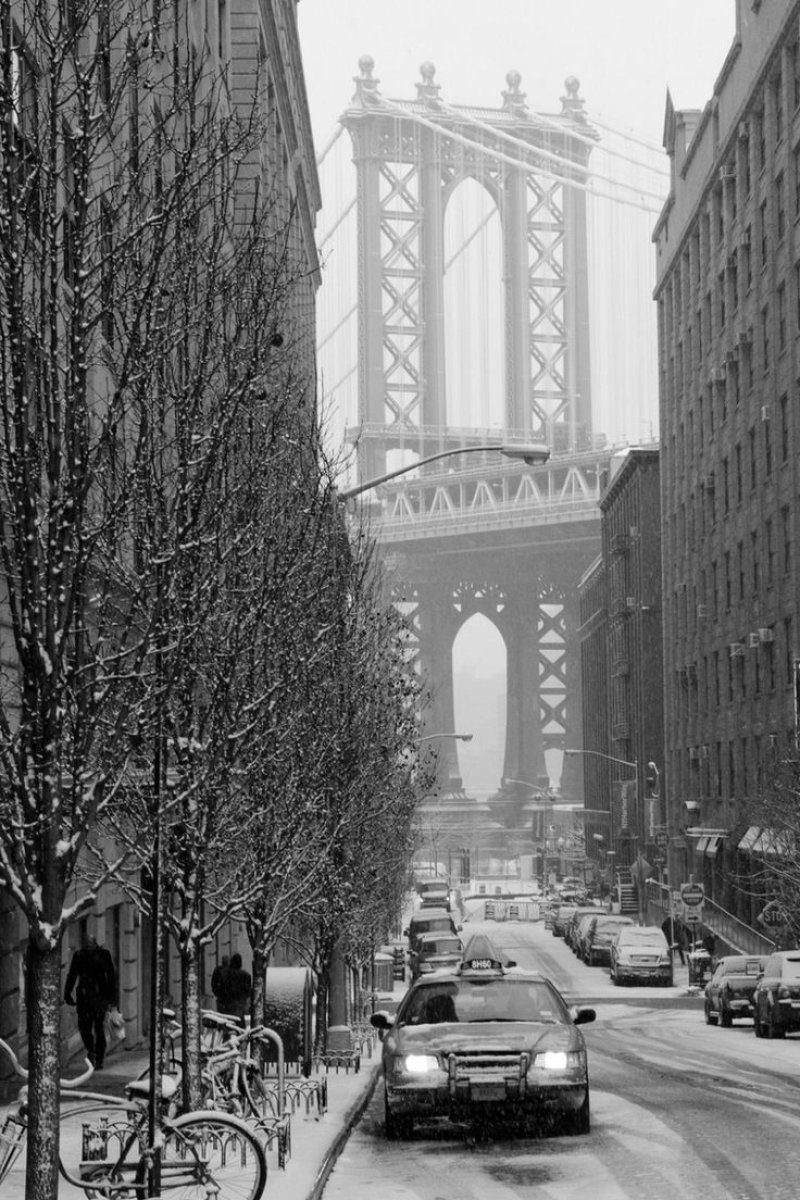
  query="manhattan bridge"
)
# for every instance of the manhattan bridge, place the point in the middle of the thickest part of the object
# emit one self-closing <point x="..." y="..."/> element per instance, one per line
<point x="489" y="282"/>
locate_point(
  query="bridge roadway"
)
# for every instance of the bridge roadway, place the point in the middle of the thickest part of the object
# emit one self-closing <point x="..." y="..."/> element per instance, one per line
<point x="495" y="502"/>
<point x="680" y="1110"/>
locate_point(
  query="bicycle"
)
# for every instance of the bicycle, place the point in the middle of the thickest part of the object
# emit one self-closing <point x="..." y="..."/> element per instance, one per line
<point x="104" y="1147"/>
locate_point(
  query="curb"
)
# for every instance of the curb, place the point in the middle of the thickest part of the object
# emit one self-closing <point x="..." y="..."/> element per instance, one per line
<point x="352" y="1117"/>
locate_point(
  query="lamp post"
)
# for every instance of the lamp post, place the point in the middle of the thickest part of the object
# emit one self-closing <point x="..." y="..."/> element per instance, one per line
<point x="459" y="737"/>
<point x="634" y="766"/>
<point x="534" y="454"/>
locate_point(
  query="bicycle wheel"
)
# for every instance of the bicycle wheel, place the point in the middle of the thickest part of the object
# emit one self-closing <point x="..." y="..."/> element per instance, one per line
<point x="212" y="1154"/>
<point x="262" y="1100"/>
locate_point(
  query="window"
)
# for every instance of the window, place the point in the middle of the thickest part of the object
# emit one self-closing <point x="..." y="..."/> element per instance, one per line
<point x="741" y="570"/>
<point x="739" y="474"/>
<point x="728" y="586"/>
<point x="780" y="206"/>
<point x="756" y="563"/>
<point x="781" y="298"/>
<point x="721" y="293"/>
<point x="783" y="409"/>
<point x="725" y="486"/>
<point x="769" y="542"/>
<point x="765" y="338"/>
<point x="764" y="232"/>
<point x="103" y="50"/>
<point x="777" y="99"/>
<point x="748" y="258"/>
<point x="786" y="536"/>
<point x="107" y="271"/>
<point x="767" y="427"/>
<point x="796" y="178"/>
<point x="751" y="437"/>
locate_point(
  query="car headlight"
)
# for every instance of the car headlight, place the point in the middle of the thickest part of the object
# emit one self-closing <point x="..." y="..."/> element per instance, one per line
<point x="558" y="1060"/>
<point x="420" y="1064"/>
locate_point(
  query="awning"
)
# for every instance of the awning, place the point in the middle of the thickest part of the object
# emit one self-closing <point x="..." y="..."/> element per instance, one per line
<point x="776" y="842"/>
<point x="700" y="845"/>
<point x="713" y="846"/>
<point x="750" y="838"/>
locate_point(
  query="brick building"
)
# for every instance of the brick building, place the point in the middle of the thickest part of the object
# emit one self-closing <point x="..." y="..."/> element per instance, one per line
<point x="728" y="295"/>
<point x="621" y="654"/>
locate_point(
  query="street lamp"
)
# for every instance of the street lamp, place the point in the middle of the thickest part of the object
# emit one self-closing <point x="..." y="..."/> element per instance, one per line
<point x="634" y="765"/>
<point x="459" y="737"/>
<point x="534" y="454"/>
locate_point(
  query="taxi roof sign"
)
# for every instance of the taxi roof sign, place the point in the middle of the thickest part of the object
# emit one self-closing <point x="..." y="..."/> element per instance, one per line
<point x="481" y="955"/>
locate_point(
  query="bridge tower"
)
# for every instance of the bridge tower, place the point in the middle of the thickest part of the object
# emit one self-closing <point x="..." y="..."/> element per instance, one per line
<point x="410" y="156"/>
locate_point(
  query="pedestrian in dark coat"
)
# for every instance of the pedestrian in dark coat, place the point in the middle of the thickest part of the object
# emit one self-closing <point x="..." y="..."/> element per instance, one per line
<point x="673" y="932"/>
<point x="92" y="969"/>
<point x="234" y="988"/>
<point x="217" y="976"/>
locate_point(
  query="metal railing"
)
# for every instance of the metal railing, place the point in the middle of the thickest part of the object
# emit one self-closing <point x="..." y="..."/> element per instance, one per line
<point x="741" y="938"/>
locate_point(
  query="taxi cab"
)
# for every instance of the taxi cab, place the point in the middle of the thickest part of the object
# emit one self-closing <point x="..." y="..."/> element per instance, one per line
<point x="484" y="1042"/>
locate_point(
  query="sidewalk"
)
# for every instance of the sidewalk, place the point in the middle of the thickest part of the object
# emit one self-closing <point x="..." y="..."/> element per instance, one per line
<point x="316" y="1141"/>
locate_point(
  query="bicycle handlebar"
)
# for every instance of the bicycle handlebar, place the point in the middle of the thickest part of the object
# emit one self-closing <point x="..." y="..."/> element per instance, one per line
<point x="62" y="1083"/>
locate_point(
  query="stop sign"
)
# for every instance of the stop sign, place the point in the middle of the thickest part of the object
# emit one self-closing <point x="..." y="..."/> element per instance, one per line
<point x="692" y="894"/>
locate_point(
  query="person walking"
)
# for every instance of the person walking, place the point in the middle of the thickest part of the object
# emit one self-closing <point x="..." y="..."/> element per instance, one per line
<point x="217" y="977"/>
<point x="92" y="969"/>
<point x="233" y="989"/>
<point x="673" y="932"/>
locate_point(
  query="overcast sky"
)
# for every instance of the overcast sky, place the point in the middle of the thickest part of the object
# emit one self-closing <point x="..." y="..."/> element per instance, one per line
<point x="625" y="52"/>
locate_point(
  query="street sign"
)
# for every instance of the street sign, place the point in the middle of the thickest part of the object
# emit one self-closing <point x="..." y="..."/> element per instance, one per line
<point x="693" y="915"/>
<point x="774" y="916"/>
<point x="693" y="895"/>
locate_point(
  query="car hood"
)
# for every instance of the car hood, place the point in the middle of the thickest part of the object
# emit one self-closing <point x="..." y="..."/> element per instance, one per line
<point x="493" y="1036"/>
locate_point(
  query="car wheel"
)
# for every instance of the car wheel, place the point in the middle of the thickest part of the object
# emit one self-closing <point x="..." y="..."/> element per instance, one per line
<point x="578" y="1123"/>
<point x="398" y="1128"/>
<point x="725" y="1018"/>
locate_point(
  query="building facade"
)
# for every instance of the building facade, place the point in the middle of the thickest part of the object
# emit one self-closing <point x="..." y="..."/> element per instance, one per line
<point x="728" y="296"/>
<point x="621" y="661"/>
<point x="252" y="47"/>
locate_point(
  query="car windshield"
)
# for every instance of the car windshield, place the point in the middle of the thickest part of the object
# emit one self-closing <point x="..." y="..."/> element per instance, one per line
<point x="469" y="1000"/>
<point x="609" y="925"/>
<point x="791" y="968"/>
<point x="742" y="966"/>
<point x="441" y="946"/>
<point x="652" y="937"/>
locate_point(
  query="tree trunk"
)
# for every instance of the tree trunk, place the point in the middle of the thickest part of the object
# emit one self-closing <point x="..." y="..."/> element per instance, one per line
<point x="321" y="1031"/>
<point x="43" y="975"/>
<point x="192" y="1026"/>
<point x="260" y="964"/>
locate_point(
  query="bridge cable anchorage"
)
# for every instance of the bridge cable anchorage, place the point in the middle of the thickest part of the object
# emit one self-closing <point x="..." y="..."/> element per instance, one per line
<point x="471" y="144"/>
<point x="540" y="153"/>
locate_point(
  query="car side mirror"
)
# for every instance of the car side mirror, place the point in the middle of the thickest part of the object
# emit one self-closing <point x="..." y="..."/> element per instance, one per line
<point x="582" y="1016"/>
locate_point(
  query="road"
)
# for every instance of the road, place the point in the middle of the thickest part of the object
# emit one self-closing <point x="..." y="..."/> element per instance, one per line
<point x="679" y="1109"/>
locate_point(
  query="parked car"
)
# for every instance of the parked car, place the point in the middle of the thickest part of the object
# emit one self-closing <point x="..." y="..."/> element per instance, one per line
<point x="429" y="920"/>
<point x="729" y="992"/>
<point x="487" y="1044"/>
<point x="581" y="930"/>
<point x="434" y="952"/>
<point x="434" y="893"/>
<point x="583" y="910"/>
<point x="595" y="948"/>
<point x="776" y="999"/>
<point x="560" y="918"/>
<point x="640" y="954"/>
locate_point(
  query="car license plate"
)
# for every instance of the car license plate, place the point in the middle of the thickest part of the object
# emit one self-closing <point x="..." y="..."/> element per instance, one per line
<point x="488" y="1091"/>
<point x="642" y="960"/>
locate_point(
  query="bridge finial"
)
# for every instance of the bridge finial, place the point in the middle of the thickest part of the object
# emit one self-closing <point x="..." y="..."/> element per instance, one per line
<point x="366" y="85"/>
<point x="428" y="91"/>
<point x="513" y="98"/>
<point x="572" y="103"/>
